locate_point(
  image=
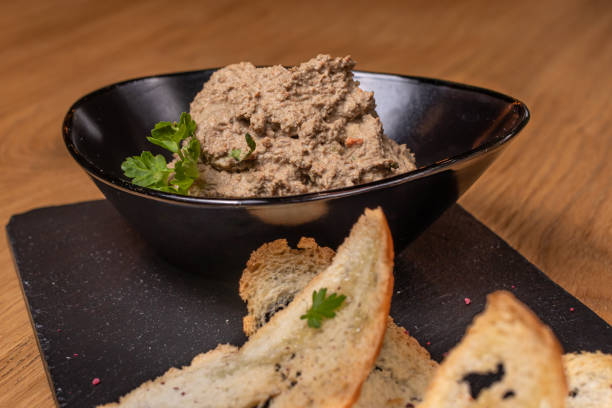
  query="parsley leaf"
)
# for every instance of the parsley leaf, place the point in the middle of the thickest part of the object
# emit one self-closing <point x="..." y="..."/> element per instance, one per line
<point x="147" y="170"/>
<point x="186" y="169"/>
<point x="322" y="307"/>
<point x="236" y="153"/>
<point x="250" y="143"/>
<point x="170" y="134"/>
<point x="153" y="172"/>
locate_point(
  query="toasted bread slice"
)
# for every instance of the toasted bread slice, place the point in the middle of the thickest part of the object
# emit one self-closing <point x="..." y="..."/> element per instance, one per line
<point x="507" y="358"/>
<point x="589" y="377"/>
<point x="400" y="374"/>
<point x="276" y="272"/>
<point x="287" y="363"/>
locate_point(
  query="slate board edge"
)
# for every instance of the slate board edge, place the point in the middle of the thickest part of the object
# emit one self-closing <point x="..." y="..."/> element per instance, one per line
<point x="28" y="309"/>
<point x="539" y="271"/>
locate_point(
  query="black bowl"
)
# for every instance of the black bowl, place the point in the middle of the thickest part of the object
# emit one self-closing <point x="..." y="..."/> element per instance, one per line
<point x="455" y="131"/>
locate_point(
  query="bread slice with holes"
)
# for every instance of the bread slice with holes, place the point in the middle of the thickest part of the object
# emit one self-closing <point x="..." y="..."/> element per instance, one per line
<point x="589" y="377"/>
<point x="274" y="274"/>
<point x="507" y="358"/>
<point x="287" y="363"/>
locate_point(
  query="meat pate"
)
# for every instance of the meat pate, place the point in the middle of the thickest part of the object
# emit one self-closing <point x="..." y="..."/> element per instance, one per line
<point x="314" y="130"/>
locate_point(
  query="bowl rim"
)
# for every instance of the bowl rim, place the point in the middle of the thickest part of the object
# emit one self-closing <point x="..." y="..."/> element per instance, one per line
<point x="421" y="172"/>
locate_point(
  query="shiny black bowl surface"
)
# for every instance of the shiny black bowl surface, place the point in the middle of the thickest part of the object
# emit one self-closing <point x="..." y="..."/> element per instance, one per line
<point x="455" y="131"/>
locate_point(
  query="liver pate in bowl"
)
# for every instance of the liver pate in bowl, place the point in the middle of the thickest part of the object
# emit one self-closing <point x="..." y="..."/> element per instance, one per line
<point x="311" y="129"/>
<point x="455" y="131"/>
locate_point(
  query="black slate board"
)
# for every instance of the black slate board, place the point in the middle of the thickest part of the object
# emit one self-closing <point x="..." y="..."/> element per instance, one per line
<point x="104" y="306"/>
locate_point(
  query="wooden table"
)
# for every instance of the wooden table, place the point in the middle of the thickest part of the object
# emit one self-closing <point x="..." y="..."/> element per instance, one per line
<point x="549" y="195"/>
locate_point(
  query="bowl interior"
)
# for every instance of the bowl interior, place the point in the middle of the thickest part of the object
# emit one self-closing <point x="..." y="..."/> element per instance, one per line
<point x="438" y="120"/>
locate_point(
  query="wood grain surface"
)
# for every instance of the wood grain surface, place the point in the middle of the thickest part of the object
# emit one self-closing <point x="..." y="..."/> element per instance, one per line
<point x="549" y="195"/>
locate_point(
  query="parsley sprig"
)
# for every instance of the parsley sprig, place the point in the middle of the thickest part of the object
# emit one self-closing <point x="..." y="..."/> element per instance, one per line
<point x="237" y="153"/>
<point x="153" y="172"/>
<point x="322" y="307"/>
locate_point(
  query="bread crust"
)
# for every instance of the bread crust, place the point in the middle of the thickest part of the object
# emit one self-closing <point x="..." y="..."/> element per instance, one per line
<point x="385" y="306"/>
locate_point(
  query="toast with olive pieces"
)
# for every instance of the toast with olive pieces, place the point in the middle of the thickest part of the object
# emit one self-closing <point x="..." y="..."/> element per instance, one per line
<point x="507" y="358"/>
